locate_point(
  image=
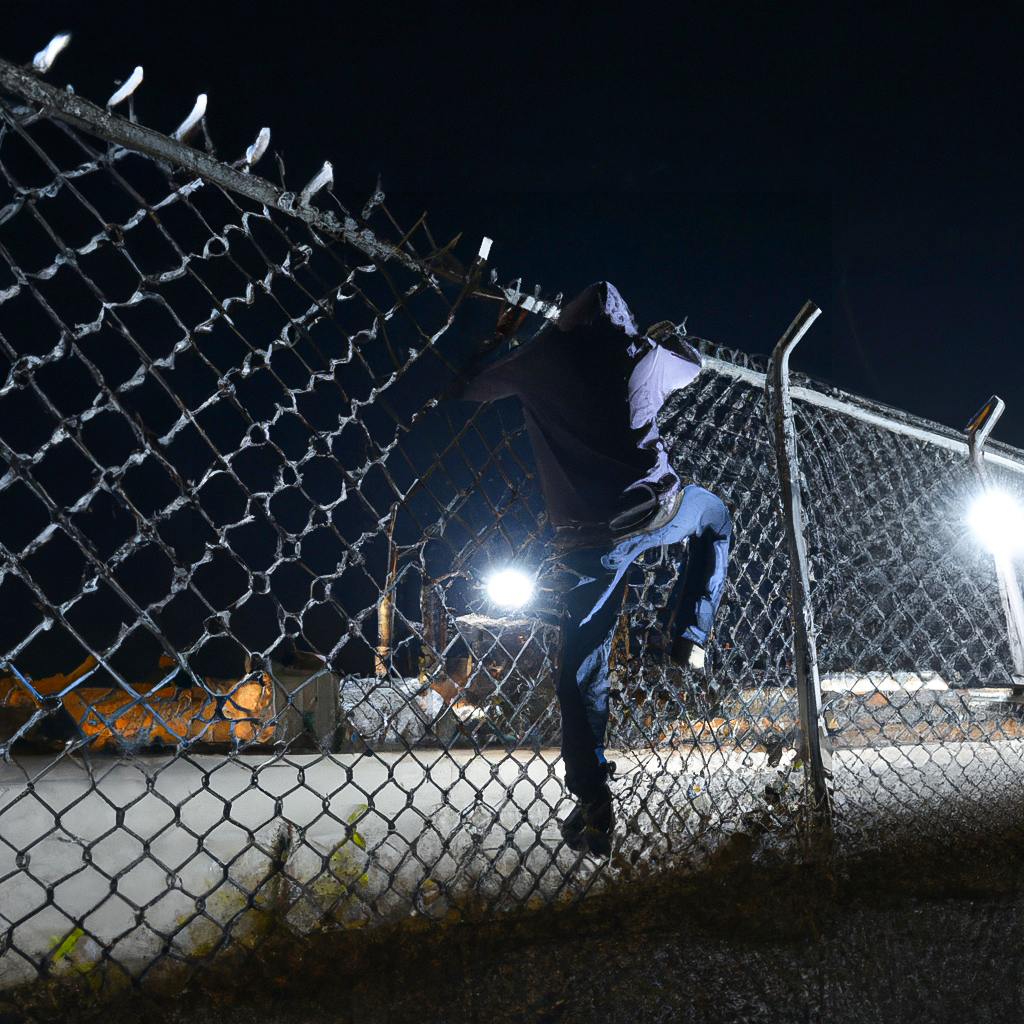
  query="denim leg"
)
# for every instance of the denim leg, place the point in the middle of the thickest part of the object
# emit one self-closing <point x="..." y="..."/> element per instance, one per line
<point x="703" y="520"/>
<point x="701" y="586"/>
<point x="593" y="609"/>
<point x="583" y="683"/>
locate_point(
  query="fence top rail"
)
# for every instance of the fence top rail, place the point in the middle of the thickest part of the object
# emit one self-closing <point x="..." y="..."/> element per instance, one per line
<point x="879" y="415"/>
<point x="102" y="123"/>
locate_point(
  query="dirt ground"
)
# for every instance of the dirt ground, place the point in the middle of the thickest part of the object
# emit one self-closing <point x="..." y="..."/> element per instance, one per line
<point x="921" y="932"/>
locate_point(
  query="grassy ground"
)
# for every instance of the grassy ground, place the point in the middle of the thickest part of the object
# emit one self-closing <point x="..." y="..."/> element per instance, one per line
<point x="902" y="932"/>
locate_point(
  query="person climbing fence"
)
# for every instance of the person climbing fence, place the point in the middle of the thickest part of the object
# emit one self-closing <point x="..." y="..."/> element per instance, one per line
<point x="591" y="387"/>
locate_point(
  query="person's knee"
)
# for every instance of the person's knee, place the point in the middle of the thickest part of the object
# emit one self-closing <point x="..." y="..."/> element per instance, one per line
<point x="708" y="509"/>
<point x="717" y="519"/>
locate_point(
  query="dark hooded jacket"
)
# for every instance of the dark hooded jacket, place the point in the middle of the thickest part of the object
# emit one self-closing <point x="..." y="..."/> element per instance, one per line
<point x="591" y="389"/>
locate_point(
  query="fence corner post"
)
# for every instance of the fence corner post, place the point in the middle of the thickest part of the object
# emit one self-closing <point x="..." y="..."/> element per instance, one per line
<point x="816" y="746"/>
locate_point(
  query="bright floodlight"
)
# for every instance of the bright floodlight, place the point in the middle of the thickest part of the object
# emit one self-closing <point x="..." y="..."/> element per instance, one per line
<point x="998" y="522"/>
<point x="509" y="588"/>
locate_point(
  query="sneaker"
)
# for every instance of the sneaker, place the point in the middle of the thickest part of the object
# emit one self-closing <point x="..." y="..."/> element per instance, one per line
<point x="588" y="828"/>
<point x="688" y="654"/>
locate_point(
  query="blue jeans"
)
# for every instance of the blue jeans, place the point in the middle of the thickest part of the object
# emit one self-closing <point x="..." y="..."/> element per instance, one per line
<point x="593" y="607"/>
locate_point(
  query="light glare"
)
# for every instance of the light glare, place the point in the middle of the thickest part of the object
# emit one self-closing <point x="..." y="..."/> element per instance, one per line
<point x="509" y="588"/>
<point x="998" y="521"/>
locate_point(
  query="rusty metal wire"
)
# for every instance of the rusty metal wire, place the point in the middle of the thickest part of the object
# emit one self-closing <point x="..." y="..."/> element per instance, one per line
<point x="249" y="670"/>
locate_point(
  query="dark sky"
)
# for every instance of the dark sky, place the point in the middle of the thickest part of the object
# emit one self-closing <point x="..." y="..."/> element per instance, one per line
<point x="722" y="165"/>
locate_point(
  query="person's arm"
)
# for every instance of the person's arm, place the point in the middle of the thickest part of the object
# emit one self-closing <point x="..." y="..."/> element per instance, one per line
<point x="511" y="374"/>
<point x="658" y="373"/>
<point x="498" y="379"/>
<point x="656" y="376"/>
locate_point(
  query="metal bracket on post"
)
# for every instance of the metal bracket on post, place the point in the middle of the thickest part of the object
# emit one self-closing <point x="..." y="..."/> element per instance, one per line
<point x="978" y="431"/>
<point x="817" y="748"/>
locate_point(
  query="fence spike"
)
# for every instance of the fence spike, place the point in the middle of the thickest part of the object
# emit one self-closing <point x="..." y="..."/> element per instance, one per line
<point x="258" y="148"/>
<point x="324" y="178"/>
<point x="188" y="126"/>
<point x="134" y="81"/>
<point x="374" y="201"/>
<point x="44" y="59"/>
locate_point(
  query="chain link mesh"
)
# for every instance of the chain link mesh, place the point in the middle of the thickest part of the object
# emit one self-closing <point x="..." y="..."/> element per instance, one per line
<point x="248" y="668"/>
<point x="916" y="671"/>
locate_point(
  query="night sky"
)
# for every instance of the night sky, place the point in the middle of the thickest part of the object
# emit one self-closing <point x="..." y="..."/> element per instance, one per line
<point x="722" y="165"/>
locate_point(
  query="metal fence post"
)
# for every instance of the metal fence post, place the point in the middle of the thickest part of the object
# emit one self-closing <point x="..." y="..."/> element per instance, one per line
<point x="978" y="431"/>
<point x="817" y="748"/>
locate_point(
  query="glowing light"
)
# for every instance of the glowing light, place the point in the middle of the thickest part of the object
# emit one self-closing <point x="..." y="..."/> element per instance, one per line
<point x="509" y="588"/>
<point x="998" y="522"/>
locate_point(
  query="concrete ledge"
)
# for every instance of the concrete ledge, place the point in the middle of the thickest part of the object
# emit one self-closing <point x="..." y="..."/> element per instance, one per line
<point x="885" y="682"/>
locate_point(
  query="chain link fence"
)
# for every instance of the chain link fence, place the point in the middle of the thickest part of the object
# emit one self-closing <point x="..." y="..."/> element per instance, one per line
<point x="248" y="668"/>
<point x="918" y="685"/>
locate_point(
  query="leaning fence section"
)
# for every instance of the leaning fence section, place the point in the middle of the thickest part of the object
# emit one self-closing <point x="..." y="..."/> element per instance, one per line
<point x="249" y="669"/>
